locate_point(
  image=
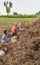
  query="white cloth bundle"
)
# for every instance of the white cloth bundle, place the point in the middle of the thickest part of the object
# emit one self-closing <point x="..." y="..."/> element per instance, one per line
<point x="2" y="53"/>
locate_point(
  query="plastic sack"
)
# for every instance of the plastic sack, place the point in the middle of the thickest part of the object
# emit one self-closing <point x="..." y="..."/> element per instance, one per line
<point x="2" y="53"/>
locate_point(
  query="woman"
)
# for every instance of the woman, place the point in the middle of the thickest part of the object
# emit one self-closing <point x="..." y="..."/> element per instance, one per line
<point x="14" y="30"/>
<point x="5" y="39"/>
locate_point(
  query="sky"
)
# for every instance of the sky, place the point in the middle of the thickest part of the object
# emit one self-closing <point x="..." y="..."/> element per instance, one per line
<point x="21" y="6"/>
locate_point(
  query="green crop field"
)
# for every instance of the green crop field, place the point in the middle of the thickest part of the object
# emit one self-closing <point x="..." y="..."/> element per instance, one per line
<point x="6" y="23"/>
<point x="8" y="20"/>
<point x="18" y="18"/>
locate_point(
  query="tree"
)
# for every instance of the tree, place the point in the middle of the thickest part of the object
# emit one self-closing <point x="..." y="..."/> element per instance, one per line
<point x="8" y="6"/>
<point x="15" y="13"/>
<point x="38" y="13"/>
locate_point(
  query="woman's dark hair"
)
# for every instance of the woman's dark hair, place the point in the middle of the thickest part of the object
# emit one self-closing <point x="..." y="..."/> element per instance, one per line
<point x="5" y="31"/>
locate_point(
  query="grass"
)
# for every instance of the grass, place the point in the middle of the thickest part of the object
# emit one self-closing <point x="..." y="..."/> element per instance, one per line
<point x="8" y="20"/>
